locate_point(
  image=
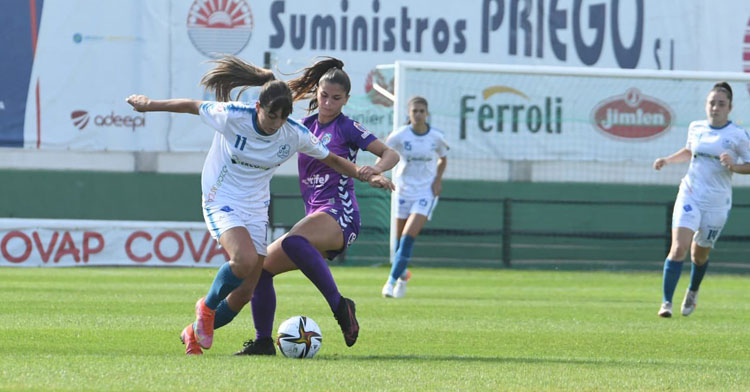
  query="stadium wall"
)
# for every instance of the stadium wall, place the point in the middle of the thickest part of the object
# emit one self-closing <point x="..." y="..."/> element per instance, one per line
<point x="457" y="235"/>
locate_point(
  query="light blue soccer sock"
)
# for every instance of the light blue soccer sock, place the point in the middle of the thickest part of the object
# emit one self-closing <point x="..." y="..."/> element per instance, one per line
<point x="672" y="271"/>
<point x="224" y="282"/>
<point x="696" y="275"/>
<point x="402" y="258"/>
<point x="224" y="314"/>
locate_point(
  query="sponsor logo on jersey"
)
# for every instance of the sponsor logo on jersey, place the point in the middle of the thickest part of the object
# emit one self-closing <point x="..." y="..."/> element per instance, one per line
<point x="632" y="115"/>
<point x="219" y="27"/>
<point x="365" y="133"/>
<point x="236" y="160"/>
<point x="81" y="119"/>
<point x="316" y="181"/>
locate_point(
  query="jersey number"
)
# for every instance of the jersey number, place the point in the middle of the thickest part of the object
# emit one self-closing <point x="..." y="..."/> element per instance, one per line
<point x="712" y="234"/>
<point x="240" y="143"/>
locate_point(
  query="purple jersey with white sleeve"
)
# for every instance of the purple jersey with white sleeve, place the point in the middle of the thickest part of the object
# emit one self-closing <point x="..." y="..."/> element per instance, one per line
<point x="321" y="186"/>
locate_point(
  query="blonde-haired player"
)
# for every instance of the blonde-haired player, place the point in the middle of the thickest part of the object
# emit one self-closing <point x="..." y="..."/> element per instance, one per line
<point x="418" y="178"/>
<point x="705" y="196"/>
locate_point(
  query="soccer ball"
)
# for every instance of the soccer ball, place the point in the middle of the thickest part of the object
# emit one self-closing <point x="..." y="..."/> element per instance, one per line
<point x="299" y="337"/>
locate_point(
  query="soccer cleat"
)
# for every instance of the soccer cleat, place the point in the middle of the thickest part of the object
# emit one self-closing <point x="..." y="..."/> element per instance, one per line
<point x="204" y="324"/>
<point x="666" y="309"/>
<point x="262" y="346"/>
<point x="188" y="339"/>
<point x="690" y="302"/>
<point x="387" y="290"/>
<point x="347" y="320"/>
<point x="399" y="290"/>
<point x="406" y="275"/>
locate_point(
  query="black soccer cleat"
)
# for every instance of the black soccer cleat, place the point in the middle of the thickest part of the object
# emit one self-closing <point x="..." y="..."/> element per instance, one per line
<point x="262" y="346"/>
<point x="347" y="320"/>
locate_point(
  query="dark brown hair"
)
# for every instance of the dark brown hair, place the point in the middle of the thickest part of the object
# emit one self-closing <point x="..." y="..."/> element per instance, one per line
<point x="725" y="88"/>
<point x="329" y="70"/>
<point x="231" y="72"/>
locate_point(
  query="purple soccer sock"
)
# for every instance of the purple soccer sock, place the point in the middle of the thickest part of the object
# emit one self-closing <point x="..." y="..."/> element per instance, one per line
<point x="263" y="305"/>
<point x="312" y="264"/>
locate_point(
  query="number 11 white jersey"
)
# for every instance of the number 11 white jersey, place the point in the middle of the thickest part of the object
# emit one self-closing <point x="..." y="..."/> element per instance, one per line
<point x="242" y="159"/>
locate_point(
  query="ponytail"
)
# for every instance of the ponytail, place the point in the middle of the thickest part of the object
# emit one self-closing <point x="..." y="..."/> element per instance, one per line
<point x="231" y="72"/>
<point x="329" y="69"/>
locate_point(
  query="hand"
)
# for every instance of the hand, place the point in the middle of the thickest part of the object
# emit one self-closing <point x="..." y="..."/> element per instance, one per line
<point x="437" y="188"/>
<point x="139" y="102"/>
<point x="726" y="160"/>
<point x="659" y="163"/>
<point x="365" y="172"/>
<point x="380" y="181"/>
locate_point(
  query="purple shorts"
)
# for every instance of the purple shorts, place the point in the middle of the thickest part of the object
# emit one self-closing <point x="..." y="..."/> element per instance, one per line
<point x="350" y="222"/>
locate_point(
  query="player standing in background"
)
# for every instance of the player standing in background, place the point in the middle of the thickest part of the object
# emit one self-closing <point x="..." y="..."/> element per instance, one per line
<point x="332" y="220"/>
<point x="418" y="179"/>
<point x="250" y="142"/>
<point x="705" y="196"/>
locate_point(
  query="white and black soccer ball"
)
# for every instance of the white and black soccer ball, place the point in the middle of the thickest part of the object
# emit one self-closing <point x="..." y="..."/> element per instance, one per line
<point x="299" y="337"/>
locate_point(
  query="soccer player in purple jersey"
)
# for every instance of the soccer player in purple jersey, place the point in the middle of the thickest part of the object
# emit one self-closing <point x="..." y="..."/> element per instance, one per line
<point x="249" y="144"/>
<point x="332" y="218"/>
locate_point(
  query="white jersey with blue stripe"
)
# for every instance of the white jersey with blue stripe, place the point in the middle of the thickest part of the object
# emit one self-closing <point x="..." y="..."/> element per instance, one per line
<point x="417" y="168"/>
<point x="707" y="181"/>
<point x="242" y="159"/>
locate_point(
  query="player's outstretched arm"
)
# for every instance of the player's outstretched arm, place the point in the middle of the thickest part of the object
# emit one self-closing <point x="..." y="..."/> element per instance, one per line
<point x="437" y="184"/>
<point x="680" y="156"/>
<point x="142" y="103"/>
<point x="387" y="158"/>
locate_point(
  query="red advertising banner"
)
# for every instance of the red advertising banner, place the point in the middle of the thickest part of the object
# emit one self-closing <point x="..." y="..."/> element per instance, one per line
<point x="68" y="243"/>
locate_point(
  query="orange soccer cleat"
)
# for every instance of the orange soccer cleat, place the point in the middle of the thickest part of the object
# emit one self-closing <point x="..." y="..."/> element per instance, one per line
<point x="188" y="339"/>
<point x="204" y="324"/>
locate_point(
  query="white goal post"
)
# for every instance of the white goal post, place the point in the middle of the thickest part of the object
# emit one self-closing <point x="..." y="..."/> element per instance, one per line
<point x="559" y="124"/>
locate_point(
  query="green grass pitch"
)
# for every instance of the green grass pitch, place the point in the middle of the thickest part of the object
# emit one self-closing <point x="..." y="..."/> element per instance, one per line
<point x="116" y="329"/>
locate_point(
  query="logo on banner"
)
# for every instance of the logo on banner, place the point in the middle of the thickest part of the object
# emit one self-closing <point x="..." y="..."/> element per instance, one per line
<point x="81" y="120"/>
<point x="218" y="27"/>
<point x="506" y="109"/>
<point x="632" y="115"/>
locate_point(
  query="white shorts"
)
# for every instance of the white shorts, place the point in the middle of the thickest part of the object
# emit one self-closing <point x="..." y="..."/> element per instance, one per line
<point x="707" y="225"/>
<point x="221" y="217"/>
<point x="422" y="206"/>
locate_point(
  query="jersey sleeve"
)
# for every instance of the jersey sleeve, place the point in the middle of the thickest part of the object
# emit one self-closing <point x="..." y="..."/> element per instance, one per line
<point x="309" y="144"/>
<point x="394" y="141"/>
<point x="743" y="147"/>
<point x="356" y="134"/>
<point x="691" y="137"/>
<point x="217" y="115"/>
<point x="442" y="146"/>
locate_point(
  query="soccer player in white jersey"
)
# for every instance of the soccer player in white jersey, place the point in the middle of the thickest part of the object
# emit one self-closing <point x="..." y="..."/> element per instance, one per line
<point x="250" y="142"/>
<point x="418" y="178"/>
<point x="705" y="196"/>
